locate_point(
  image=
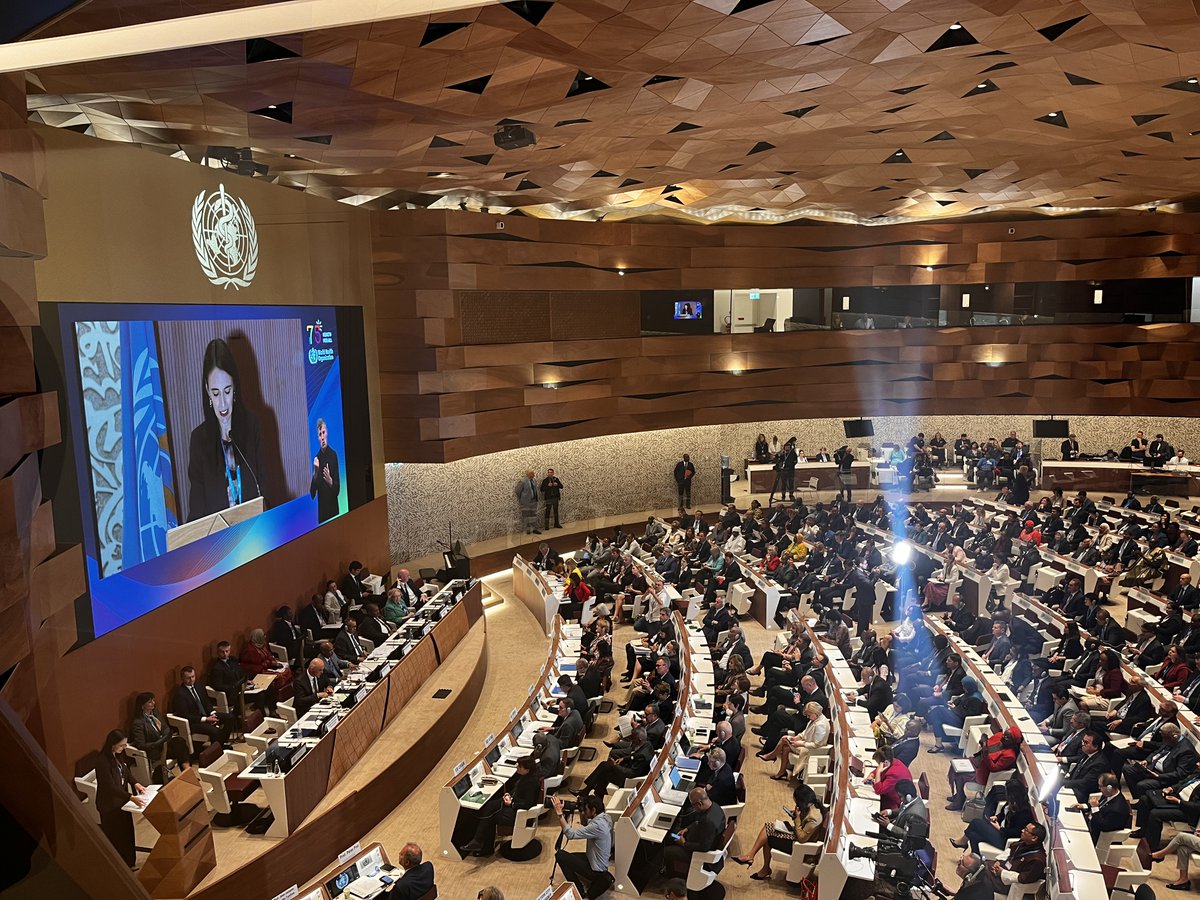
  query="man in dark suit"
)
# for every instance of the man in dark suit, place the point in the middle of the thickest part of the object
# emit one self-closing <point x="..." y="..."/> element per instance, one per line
<point x="1149" y="650"/>
<point x="353" y="588"/>
<point x="546" y="557"/>
<point x="315" y="684"/>
<point x="192" y="702"/>
<point x="718" y="618"/>
<point x="1112" y="812"/>
<point x="702" y="831"/>
<point x="1185" y="595"/>
<point x="1135" y="709"/>
<point x="372" y="626"/>
<point x="685" y="472"/>
<point x="721" y="783"/>
<point x="417" y="880"/>
<point x="1108" y="632"/>
<point x="226" y="675"/>
<point x="1083" y="775"/>
<point x="879" y="693"/>
<point x="1069" y="448"/>
<point x="346" y="645"/>
<point x="1164" y="766"/>
<point x="312" y="617"/>
<point x="734" y="645"/>
<point x="1180" y="802"/>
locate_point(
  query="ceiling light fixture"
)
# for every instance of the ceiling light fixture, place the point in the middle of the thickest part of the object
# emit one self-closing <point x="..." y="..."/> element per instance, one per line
<point x="956" y="26"/>
<point x="929" y="268"/>
<point x="1194" y="80"/>
<point x="1052" y="115"/>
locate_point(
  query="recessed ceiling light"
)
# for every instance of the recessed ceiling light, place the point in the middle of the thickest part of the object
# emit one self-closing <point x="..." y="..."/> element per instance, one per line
<point x="272" y="106"/>
<point x="956" y="26"/>
<point x="899" y="152"/>
<point x="1052" y="115"/>
<point x="981" y="86"/>
<point x="1193" y="80"/>
<point x="929" y="268"/>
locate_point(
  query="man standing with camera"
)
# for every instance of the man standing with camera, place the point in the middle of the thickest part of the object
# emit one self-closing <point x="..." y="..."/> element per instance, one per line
<point x="589" y="870"/>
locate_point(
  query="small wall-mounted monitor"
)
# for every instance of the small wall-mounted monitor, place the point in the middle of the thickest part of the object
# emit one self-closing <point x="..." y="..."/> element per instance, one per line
<point x="859" y="428"/>
<point x="1051" y="428"/>
<point x="688" y="309"/>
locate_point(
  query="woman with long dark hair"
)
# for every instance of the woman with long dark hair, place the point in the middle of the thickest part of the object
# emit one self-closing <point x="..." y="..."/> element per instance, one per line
<point x="224" y="463"/>
<point x="806" y="818"/>
<point x="116" y="786"/>
<point x="996" y="828"/>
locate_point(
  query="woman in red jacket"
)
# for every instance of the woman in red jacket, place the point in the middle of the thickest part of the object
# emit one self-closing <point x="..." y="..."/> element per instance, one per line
<point x="888" y="773"/>
<point x="577" y="594"/>
<point x="1175" y="671"/>
<point x="997" y="754"/>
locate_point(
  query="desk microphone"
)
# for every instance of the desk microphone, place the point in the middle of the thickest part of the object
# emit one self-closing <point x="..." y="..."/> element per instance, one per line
<point x="249" y="468"/>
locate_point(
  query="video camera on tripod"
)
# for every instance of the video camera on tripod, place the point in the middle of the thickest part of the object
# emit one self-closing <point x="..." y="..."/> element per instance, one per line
<point x="898" y="865"/>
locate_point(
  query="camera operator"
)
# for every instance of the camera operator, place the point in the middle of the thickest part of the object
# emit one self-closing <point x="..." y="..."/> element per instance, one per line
<point x="589" y="870"/>
<point x="909" y="823"/>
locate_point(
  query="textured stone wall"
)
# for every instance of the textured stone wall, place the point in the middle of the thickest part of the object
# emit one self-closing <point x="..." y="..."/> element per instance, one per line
<point x="619" y="474"/>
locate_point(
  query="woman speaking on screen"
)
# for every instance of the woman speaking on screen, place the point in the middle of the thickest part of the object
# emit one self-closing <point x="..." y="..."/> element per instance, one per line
<point x="224" y="457"/>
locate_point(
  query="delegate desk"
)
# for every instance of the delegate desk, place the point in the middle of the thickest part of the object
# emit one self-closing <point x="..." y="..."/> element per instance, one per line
<point x="307" y="760"/>
<point x="1075" y="866"/>
<point x="762" y="475"/>
<point x="850" y="800"/>
<point x="365" y="876"/>
<point x="650" y="810"/>
<point x="541" y="592"/>
<point x="1121" y="477"/>
<point x="465" y="794"/>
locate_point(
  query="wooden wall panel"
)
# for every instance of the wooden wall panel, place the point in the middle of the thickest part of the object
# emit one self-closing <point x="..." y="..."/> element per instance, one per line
<point x="527" y="384"/>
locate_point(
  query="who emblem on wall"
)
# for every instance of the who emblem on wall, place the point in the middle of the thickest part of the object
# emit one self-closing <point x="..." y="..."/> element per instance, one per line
<point x="225" y="238"/>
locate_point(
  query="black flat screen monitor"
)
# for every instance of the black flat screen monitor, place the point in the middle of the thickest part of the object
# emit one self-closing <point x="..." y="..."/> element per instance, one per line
<point x="1051" y="428"/>
<point x="858" y="428"/>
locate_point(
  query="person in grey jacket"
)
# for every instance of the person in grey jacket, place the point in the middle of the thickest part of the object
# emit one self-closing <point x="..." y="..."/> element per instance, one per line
<point x="526" y="492"/>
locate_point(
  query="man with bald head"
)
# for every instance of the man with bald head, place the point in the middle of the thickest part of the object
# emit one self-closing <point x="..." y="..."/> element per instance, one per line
<point x="702" y="830"/>
<point x="526" y="492"/>
<point x="315" y="684"/>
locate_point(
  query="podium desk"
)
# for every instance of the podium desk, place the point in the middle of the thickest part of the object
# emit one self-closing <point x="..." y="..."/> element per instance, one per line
<point x="182" y="535"/>
<point x="541" y="593"/>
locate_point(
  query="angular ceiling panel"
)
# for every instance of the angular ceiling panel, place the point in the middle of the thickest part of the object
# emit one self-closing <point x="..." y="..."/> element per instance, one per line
<point x="677" y="103"/>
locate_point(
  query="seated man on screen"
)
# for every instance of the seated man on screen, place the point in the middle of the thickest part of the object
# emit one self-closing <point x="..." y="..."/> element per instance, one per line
<point x="224" y="462"/>
<point x="325" y="484"/>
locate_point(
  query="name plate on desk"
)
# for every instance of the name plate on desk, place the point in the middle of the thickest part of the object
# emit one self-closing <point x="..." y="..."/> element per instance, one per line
<point x="487" y="740"/>
<point x="291" y="892"/>
<point x="349" y="853"/>
<point x="458" y="768"/>
<point x="512" y="715"/>
<point x="546" y="894"/>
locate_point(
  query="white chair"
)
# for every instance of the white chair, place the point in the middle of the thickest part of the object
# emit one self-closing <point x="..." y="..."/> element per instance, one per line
<point x="733" y="810"/>
<point x="367" y="644"/>
<point x="212" y="780"/>
<point x="280" y="652"/>
<point x="739" y="598"/>
<point x="184" y="727"/>
<point x="953" y="732"/>
<point x="585" y="615"/>
<point x="288" y="709"/>
<point x="698" y="876"/>
<point x="1125" y="858"/>
<point x="882" y="589"/>
<point x="220" y="701"/>
<point x="87" y="787"/>
<point x="1109" y="840"/>
<point x="268" y="730"/>
<point x="990" y="853"/>
<point x="140" y="765"/>
<point x="523" y="844"/>
<point x="1018" y="890"/>
<point x="800" y="862"/>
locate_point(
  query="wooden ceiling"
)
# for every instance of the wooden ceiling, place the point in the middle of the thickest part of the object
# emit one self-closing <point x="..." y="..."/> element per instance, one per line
<point x="737" y="110"/>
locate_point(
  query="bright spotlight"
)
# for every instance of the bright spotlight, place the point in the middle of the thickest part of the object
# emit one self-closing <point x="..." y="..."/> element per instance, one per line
<point x="902" y="553"/>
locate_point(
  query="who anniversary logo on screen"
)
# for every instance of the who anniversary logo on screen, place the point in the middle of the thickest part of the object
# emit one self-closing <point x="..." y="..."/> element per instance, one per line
<point x="225" y="238"/>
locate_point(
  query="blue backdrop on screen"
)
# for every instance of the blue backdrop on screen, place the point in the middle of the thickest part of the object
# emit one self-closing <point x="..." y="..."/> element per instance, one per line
<point x="137" y="400"/>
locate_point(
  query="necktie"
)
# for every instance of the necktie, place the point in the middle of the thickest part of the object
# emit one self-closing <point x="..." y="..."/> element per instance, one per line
<point x="354" y="643"/>
<point x="196" y="697"/>
<point x="314" y="684"/>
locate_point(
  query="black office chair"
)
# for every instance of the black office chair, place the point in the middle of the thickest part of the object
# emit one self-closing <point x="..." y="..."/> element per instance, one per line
<point x="766" y="326"/>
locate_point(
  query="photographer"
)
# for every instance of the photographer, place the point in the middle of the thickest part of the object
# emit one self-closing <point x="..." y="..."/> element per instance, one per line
<point x="589" y="870"/>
